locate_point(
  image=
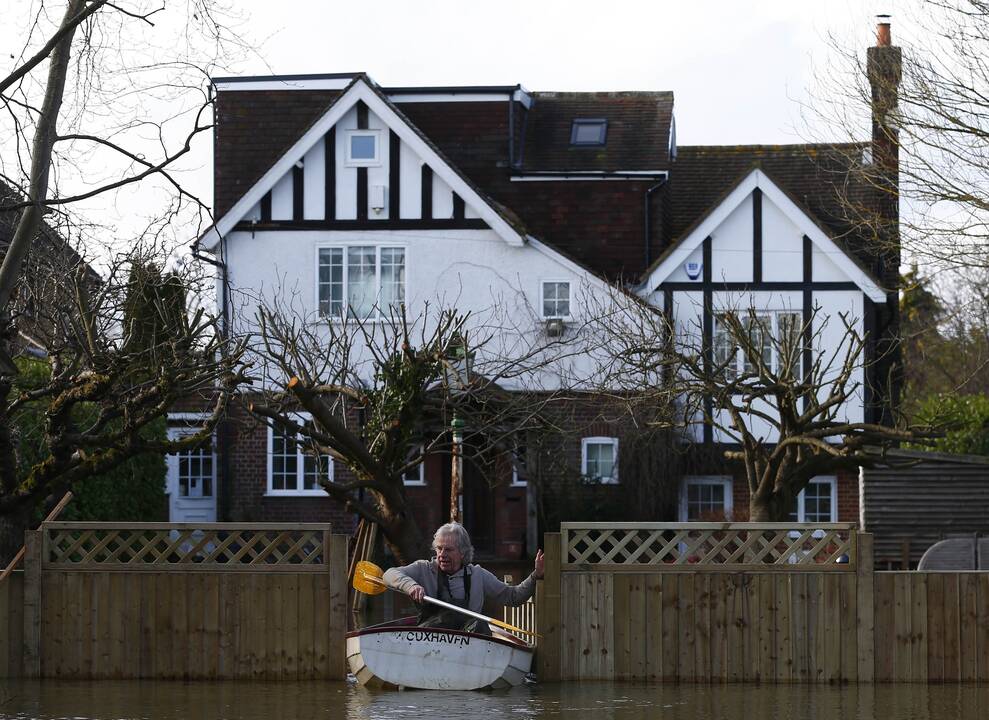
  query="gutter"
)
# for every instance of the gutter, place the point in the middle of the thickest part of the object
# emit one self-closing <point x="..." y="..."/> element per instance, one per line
<point x="640" y="175"/>
<point x="223" y="440"/>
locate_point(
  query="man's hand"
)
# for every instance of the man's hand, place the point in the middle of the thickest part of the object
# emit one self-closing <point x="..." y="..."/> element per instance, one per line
<point x="540" y="565"/>
<point x="417" y="593"/>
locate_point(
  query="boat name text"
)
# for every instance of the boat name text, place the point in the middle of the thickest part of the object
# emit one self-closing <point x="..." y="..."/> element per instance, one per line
<point x="425" y="636"/>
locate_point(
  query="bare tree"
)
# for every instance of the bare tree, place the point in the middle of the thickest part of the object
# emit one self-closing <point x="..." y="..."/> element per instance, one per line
<point x="111" y="95"/>
<point x="87" y="123"/>
<point x="929" y="102"/>
<point x="781" y="402"/>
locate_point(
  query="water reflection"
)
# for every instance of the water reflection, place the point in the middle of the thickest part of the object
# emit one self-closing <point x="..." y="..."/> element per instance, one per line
<point x="601" y="701"/>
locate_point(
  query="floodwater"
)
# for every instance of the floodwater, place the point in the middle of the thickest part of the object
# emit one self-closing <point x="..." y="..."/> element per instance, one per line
<point x="601" y="701"/>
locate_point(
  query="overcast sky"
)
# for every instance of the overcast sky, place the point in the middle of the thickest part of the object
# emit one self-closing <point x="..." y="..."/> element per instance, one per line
<point x="736" y="68"/>
<point x="739" y="70"/>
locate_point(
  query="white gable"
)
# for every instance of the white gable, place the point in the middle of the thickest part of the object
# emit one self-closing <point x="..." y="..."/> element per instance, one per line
<point x="784" y="225"/>
<point x="308" y="154"/>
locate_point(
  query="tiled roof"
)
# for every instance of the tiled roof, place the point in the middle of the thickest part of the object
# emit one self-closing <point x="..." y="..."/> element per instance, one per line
<point x="638" y="133"/>
<point x="818" y="177"/>
<point x="253" y="129"/>
<point x="597" y="224"/>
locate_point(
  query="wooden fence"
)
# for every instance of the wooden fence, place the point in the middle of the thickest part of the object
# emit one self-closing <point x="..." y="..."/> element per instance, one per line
<point x="117" y="600"/>
<point x="751" y="602"/>
<point x="653" y="602"/>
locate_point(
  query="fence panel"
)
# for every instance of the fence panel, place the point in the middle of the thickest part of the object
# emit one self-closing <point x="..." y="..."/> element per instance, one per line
<point x="709" y="602"/>
<point x="223" y="601"/>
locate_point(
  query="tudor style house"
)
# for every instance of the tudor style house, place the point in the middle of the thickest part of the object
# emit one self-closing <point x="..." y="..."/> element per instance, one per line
<point x="352" y="196"/>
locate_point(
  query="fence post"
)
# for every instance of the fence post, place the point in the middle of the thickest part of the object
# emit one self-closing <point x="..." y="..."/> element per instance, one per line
<point x="6" y="616"/>
<point x="336" y="559"/>
<point x="865" y="604"/>
<point x="548" y="611"/>
<point x="32" y="603"/>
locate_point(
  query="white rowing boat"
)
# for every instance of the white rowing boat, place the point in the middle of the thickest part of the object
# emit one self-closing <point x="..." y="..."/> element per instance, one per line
<point x="399" y="654"/>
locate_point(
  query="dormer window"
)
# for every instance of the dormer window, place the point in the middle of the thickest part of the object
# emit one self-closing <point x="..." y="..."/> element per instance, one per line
<point x="589" y="131"/>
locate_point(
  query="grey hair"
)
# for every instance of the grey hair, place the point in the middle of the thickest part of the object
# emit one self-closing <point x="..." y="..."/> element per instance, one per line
<point x="459" y="533"/>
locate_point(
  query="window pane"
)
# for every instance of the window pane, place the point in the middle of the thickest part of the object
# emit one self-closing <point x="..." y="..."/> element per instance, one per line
<point x="724" y="348"/>
<point x="600" y="460"/>
<point x="817" y="502"/>
<point x="705" y="501"/>
<point x="392" y="278"/>
<point x="284" y="460"/>
<point x="360" y="281"/>
<point x="556" y="299"/>
<point x="195" y="471"/>
<point x="588" y="132"/>
<point x="790" y="326"/>
<point x="315" y="468"/>
<point x="362" y="147"/>
<point x="331" y="281"/>
<point x="183" y="475"/>
<point x="757" y="332"/>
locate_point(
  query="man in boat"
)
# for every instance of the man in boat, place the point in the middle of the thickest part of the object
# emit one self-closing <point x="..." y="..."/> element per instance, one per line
<point x="451" y="577"/>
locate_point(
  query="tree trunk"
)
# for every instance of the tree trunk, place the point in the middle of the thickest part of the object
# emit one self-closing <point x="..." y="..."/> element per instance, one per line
<point x="770" y="508"/>
<point x="403" y="537"/>
<point x="41" y="160"/>
<point x="12" y="527"/>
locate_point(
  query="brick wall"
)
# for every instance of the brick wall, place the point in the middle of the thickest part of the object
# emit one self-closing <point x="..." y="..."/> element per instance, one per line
<point x="847" y="492"/>
<point x="248" y="481"/>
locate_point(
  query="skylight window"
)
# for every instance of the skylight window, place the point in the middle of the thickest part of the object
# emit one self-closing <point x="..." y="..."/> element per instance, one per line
<point x="588" y="131"/>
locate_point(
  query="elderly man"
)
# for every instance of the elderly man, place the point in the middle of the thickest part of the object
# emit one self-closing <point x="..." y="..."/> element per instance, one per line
<point x="451" y="577"/>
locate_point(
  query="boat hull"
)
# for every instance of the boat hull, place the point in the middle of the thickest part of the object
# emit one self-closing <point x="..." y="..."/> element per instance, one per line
<point x="435" y="659"/>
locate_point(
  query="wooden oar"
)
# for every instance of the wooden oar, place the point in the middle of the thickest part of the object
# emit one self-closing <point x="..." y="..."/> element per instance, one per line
<point x="367" y="579"/>
<point x="56" y="511"/>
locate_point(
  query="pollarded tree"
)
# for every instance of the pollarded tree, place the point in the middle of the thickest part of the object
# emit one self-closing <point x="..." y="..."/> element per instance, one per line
<point x="784" y="402"/>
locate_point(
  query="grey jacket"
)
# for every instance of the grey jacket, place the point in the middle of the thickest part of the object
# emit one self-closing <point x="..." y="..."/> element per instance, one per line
<point x="485" y="588"/>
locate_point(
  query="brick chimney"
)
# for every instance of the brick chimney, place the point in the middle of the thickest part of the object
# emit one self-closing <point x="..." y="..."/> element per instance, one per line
<point x="884" y="69"/>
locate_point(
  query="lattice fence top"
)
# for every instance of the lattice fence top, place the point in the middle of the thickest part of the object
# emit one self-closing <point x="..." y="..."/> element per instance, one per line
<point x="709" y="547"/>
<point x="180" y="546"/>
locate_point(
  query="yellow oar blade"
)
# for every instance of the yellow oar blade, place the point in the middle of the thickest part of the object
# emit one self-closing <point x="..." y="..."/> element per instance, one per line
<point x="505" y="625"/>
<point x="367" y="578"/>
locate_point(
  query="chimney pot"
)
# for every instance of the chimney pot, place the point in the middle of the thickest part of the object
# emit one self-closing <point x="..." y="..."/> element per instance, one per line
<point x="884" y="38"/>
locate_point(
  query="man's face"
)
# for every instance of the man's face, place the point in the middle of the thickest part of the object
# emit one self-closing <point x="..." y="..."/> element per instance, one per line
<point x="448" y="555"/>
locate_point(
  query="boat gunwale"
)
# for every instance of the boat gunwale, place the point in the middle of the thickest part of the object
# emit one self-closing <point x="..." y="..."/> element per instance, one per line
<point x="519" y="644"/>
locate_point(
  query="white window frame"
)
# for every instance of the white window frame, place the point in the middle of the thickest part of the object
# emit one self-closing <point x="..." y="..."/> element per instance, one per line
<point x="542" y="298"/>
<point x="774" y="333"/>
<point x="299" y="418"/>
<point x="516" y="482"/>
<point x="174" y="431"/>
<point x="600" y="440"/>
<point x="378" y="247"/>
<point x="832" y="480"/>
<point x="419" y="470"/>
<point x="350" y="161"/>
<point x="726" y="481"/>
